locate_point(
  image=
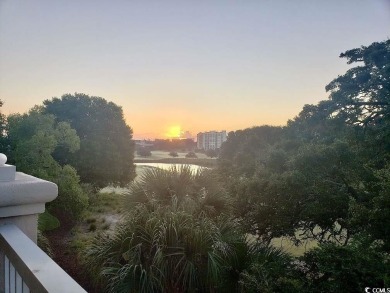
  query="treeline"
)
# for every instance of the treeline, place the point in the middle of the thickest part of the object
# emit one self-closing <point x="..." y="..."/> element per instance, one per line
<point x="81" y="143"/>
<point x="182" y="145"/>
<point x="324" y="177"/>
<point x="145" y="148"/>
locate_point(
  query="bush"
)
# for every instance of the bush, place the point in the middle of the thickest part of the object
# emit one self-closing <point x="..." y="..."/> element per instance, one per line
<point x="148" y="253"/>
<point x="199" y="192"/>
<point x="174" y="154"/>
<point x="71" y="200"/>
<point x="144" y="152"/>
<point x="44" y="243"/>
<point x="268" y="269"/>
<point x="351" y="268"/>
<point x="47" y="222"/>
<point x="212" y="153"/>
<point x="172" y="250"/>
<point x="191" y="155"/>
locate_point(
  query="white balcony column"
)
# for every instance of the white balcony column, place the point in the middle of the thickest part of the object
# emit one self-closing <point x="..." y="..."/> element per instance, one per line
<point x="23" y="198"/>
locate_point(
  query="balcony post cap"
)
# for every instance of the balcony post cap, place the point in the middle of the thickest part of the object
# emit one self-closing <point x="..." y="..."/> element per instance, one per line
<point x="7" y="172"/>
<point x="3" y="159"/>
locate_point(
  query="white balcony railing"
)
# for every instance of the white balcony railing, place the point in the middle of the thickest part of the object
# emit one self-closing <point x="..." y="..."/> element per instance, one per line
<point x="24" y="267"/>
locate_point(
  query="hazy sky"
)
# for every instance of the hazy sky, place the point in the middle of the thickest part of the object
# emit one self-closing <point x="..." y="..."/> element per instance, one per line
<point x="200" y="65"/>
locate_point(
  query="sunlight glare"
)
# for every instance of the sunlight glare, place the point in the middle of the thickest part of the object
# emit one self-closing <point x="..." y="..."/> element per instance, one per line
<point x="174" y="132"/>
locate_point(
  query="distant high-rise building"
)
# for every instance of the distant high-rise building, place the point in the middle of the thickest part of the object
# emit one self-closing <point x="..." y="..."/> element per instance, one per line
<point x="210" y="140"/>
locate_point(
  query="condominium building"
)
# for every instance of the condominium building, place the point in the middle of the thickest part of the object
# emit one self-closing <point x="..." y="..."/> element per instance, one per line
<point x="211" y="140"/>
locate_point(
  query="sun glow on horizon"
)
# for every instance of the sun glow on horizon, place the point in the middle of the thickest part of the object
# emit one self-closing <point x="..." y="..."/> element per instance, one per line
<point x="174" y="132"/>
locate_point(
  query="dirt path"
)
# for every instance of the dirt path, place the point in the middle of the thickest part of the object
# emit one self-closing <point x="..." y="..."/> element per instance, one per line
<point x="66" y="258"/>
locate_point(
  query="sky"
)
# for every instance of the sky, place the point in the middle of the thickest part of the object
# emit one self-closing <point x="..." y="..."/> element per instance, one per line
<point x="188" y="65"/>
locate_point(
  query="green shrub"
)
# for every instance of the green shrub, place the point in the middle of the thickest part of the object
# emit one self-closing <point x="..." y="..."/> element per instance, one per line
<point x="212" y="153"/>
<point x="44" y="244"/>
<point x="71" y="200"/>
<point x="47" y="222"/>
<point x="350" y="268"/>
<point x="91" y="220"/>
<point x="144" y="152"/>
<point x="191" y="155"/>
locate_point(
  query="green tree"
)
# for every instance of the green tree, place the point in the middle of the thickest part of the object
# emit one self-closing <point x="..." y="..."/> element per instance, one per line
<point x="106" y="148"/>
<point x="319" y="175"/>
<point x="174" y="154"/>
<point x="351" y="268"/>
<point x="33" y="138"/>
<point x="370" y="213"/>
<point x="3" y="137"/>
<point x="72" y="199"/>
<point x="243" y="150"/>
<point x="144" y="152"/>
<point x="191" y="155"/>
<point x="212" y="153"/>
<point x="361" y="95"/>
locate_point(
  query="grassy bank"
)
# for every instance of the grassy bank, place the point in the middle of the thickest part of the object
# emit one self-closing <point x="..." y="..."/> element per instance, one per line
<point x="165" y="158"/>
<point x="156" y="155"/>
<point x="102" y="215"/>
<point x="288" y="246"/>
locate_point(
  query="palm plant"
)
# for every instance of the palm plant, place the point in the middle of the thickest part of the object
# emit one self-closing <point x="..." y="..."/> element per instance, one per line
<point x="196" y="192"/>
<point x="166" y="250"/>
<point x="268" y="269"/>
<point x="178" y="237"/>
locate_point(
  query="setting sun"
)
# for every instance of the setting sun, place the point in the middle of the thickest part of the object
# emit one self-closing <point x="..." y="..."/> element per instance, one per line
<point x="174" y="132"/>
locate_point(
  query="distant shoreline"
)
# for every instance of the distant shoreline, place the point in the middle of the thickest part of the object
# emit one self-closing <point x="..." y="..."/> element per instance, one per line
<point x="210" y="163"/>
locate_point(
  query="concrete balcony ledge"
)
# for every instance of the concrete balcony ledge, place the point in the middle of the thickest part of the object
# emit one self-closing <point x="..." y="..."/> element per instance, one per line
<point x="23" y="198"/>
<point x="25" y="195"/>
<point x="24" y="267"/>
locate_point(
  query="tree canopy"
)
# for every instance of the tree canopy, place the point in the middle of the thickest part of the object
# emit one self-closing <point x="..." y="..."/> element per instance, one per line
<point x="32" y="139"/>
<point x="361" y="95"/>
<point x="106" y="148"/>
<point x="324" y="176"/>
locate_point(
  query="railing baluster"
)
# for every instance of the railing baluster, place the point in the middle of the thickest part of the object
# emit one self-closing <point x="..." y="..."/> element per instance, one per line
<point x="6" y="274"/>
<point x="19" y="283"/>
<point x="25" y="288"/>
<point x="12" y="283"/>
<point x="11" y="280"/>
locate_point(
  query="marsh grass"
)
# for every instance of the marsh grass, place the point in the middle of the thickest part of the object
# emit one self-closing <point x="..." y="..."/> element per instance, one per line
<point x="295" y="250"/>
<point x="103" y="213"/>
